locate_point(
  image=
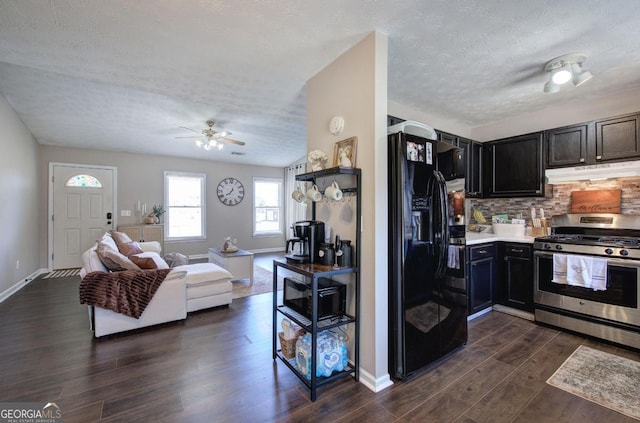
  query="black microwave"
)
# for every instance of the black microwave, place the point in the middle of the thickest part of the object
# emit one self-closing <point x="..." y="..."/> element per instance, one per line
<point x="451" y="164"/>
<point x="331" y="297"/>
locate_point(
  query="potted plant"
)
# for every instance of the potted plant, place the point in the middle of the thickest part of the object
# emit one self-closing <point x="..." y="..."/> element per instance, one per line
<point x="154" y="216"/>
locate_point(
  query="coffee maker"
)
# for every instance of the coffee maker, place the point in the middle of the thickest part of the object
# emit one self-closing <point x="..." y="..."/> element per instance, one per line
<point x="309" y="234"/>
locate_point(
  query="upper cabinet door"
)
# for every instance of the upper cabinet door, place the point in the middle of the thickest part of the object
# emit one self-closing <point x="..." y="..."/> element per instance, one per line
<point x="473" y="176"/>
<point x="515" y="167"/>
<point x="617" y="138"/>
<point x="447" y="138"/>
<point x="567" y="146"/>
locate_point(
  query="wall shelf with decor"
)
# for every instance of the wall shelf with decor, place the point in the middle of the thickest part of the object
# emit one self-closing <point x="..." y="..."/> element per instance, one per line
<point x="311" y="274"/>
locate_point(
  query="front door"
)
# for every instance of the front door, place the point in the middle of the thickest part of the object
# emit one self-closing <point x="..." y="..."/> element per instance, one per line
<point x="83" y="209"/>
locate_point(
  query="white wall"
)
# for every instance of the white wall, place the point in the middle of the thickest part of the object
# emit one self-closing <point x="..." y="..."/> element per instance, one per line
<point x="141" y="177"/>
<point x="354" y="86"/>
<point x="577" y="111"/>
<point x="20" y="202"/>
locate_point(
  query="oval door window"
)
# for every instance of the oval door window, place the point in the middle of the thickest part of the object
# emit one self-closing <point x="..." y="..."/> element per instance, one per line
<point x="83" y="181"/>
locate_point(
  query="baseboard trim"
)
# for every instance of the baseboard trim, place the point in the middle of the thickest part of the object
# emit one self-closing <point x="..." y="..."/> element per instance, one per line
<point x="21" y="284"/>
<point x="479" y="313"/>
<point x="268" y="250"/>
<point x="376" y="385"/>
<point x="514" y="312"/>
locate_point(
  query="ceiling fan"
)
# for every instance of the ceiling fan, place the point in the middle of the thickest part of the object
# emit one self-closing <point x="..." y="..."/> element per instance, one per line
<point x="212" y="138"/>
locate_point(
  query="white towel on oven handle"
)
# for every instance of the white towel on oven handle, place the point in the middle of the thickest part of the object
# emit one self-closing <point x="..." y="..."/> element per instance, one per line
<point x="599" y="274"/>
<point x="560" y="269"/>
<point x="588" y="272"/>
<point x="453" y="262"/>
<point x="579" y="271"/>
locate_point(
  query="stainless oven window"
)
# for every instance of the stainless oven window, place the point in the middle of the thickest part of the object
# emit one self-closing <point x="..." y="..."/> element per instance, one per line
<point x="622" y="283"/>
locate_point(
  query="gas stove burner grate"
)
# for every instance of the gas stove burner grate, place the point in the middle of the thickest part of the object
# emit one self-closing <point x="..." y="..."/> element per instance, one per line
<point x="624" y="242"/>
<point x="563" y="238"/>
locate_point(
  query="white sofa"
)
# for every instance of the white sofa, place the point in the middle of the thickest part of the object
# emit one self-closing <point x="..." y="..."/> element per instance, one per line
<point x="186" y="288"/>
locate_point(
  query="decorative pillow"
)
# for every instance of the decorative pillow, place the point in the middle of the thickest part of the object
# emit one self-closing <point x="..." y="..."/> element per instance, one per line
<point x="130" y="248"/>
<point x="120" y="238"/>
<point x="155" y="257"/>
<point x="176" y="259"/>
<point x="112" y="258"/>
<point x="144" y="262"/>
<point x="108" y="240"/>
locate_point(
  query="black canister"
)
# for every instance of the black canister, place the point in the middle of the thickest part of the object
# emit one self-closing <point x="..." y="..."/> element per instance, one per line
<point x="326" y="254"/>
<point x="345" y="254"/>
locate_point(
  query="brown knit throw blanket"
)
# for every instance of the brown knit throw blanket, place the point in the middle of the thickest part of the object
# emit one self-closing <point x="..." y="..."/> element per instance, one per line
<point x="127" y="292"/>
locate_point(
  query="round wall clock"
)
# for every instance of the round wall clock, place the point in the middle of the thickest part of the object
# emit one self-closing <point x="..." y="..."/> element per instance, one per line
<point x="230" y="191"/>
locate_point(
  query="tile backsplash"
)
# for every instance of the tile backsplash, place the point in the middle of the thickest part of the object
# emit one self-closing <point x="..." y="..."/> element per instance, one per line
<point x="557" y="199"/>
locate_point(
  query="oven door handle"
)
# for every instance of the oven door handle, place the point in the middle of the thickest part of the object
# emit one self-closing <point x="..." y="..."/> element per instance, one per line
<point x="634" y="264"/>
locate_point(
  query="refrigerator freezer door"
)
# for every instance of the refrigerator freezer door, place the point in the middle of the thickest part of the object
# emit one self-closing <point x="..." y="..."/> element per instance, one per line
<point x="424" y="319"/>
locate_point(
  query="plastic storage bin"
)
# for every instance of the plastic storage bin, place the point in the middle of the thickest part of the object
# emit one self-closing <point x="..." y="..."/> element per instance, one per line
<point x="332" y="354"/>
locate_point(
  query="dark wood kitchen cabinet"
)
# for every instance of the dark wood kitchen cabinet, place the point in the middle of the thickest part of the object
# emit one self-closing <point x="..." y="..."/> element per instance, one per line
<point x="447" y="138"/>
<point x="604" y="140"/>
<point x="567" y="146"/>
<point x="515" y="281"/>
<point x="617" y="138"/>
<point x="473" y="176"/>
<point x="514" y="167"/>
<point x="469" y="157"/>
<point x="482" y="274"/>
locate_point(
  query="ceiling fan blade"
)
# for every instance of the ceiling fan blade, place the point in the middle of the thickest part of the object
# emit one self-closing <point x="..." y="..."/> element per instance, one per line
<point x="220" y="134"/>
<point x="189" y="129"/>
<point x="230" y="141"/>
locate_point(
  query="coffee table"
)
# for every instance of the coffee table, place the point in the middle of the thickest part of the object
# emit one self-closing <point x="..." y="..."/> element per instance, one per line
<point x="239" y="263"/>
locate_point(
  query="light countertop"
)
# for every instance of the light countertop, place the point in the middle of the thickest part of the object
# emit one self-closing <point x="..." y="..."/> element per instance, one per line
<point x="473" y="238"/>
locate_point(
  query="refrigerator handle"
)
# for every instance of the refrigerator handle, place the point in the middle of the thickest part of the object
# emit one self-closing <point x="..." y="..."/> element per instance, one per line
<point x="442" y="222"/>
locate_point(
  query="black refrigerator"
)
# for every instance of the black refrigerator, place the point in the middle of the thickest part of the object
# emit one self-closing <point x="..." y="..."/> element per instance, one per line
<point x="427" y="298"/>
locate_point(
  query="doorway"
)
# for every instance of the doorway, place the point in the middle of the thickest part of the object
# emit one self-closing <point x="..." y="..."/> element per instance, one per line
<point x="81" y="208"/>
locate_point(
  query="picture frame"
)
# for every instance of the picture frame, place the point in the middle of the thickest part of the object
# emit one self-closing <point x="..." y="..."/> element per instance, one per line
<point x="344" y="152"/>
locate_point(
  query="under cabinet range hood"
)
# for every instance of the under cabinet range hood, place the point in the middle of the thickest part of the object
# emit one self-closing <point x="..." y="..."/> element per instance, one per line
<point x="593" y="172"/>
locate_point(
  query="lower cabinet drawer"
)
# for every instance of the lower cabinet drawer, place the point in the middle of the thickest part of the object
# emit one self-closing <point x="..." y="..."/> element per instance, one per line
<point x="477" y="252"/>
<point x="517" y="250"/>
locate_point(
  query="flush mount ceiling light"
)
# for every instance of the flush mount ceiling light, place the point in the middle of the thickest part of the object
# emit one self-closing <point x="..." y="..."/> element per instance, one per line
<point x="564" y="69"/>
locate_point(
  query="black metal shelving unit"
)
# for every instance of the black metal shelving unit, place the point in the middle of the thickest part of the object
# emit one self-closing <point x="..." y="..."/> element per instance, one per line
<point x="349" y="180"/>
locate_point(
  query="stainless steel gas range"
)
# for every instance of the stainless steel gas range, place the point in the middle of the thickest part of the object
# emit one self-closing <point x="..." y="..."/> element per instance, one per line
<point x="609" y="243"/>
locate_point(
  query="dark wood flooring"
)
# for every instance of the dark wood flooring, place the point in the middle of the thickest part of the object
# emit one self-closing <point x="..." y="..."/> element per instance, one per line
<point x="217" y="366"/>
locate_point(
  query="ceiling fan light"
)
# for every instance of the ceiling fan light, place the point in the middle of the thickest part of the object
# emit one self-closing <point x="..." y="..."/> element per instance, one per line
<point x="220" y="145"/>
<point x="580" y="76"/>
<point x="199" y="143"/>
<point x="562" y="75"/>
<point x="207" y="147"/>
<point x="550" y="87"/>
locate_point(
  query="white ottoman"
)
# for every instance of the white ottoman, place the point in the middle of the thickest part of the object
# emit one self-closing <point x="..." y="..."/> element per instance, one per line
<point x="208" y="285"/>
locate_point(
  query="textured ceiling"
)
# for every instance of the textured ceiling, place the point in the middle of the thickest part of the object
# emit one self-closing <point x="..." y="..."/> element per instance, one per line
<point x="124" y="75"/>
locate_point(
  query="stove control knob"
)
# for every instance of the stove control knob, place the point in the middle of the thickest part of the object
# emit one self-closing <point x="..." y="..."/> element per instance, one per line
<point x="608" y="251"/>
<point x="624" y="253"/>
<point x="558" y="247"/>
<point x="546" y="246"/>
